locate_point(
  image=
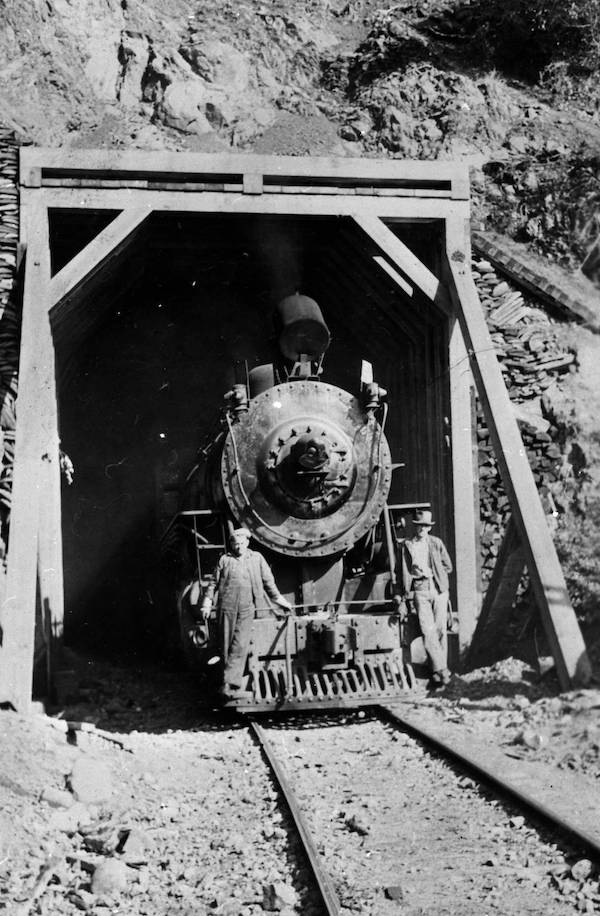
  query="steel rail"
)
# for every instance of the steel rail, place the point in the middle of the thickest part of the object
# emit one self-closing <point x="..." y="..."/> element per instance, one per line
<point x="326" y="888"/>
<point x="496" y="779"/>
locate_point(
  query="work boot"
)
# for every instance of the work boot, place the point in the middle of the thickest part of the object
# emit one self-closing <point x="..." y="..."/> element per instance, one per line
<point x="435" y="682"/>
<point x="232" y="692"/>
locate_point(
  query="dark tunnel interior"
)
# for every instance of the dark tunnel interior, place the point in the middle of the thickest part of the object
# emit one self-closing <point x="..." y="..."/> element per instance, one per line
<point x="142" y="381"/>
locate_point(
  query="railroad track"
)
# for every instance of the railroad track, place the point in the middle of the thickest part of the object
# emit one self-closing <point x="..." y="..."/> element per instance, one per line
<point x="393" y="819"/>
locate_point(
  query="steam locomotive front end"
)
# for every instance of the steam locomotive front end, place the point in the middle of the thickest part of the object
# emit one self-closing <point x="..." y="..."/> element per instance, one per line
<point x="305" y="466"/>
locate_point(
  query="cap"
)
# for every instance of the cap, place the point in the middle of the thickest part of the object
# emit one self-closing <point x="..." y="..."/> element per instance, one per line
<point x="241" y="532"/>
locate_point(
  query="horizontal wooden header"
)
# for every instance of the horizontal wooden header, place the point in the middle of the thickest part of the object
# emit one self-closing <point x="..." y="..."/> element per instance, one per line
<point x="241" y="173"/>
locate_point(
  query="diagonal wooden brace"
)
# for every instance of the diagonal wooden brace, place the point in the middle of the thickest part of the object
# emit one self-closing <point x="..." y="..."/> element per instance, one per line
<point x="547" y="579"/>
<point x="97" y="254"/>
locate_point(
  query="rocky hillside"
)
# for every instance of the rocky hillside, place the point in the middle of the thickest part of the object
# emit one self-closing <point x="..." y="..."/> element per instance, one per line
<point x="421" y="78"/>
<point x="510" y="88"/>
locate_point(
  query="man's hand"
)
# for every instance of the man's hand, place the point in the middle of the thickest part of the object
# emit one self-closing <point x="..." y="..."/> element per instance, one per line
<point x="283" y="603"/>
<point x="400" y="606"/>
<point x="206" y="609"/>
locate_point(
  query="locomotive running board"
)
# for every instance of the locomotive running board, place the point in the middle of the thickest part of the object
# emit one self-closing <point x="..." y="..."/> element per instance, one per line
<point x="366" y="684"/>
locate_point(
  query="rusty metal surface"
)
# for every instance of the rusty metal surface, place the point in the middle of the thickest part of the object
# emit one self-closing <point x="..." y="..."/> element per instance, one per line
<point x="306" y="470"/>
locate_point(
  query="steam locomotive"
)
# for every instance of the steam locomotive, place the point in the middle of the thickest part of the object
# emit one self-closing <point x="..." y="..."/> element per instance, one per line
<point x="306" y="467"/>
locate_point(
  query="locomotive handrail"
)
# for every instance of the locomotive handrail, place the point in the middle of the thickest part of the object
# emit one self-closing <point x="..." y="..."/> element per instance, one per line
<point x="327" y="604"/>
<point x="187" y="513"/>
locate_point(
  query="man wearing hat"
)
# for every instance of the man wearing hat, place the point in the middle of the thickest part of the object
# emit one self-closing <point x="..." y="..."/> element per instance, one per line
<point x="242" y="578"/>
<point x="425" y="565"/>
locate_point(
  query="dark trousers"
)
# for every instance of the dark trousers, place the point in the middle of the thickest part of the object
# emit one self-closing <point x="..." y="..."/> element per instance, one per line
<point x="236" y="624"/>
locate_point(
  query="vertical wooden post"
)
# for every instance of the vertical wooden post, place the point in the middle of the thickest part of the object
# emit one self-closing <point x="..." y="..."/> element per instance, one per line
<point x="463" y="474"/>
<point x="560" y="624"/>
<point x="35" y="447"/>
<point x="50" y="557"/>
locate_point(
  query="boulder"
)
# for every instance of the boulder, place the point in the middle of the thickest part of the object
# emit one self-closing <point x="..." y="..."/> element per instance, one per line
<point x="110" y="877"/>
<point x="57" y="798"/>
<point x="136" y="846"/>
<point x="90" y="781"/>
<point x="582" y="869"/>
<point x="220" y="64"/>
<point x="183" y="107"/>
<point x="278" y="896"/>
<point x="69" y="820"/>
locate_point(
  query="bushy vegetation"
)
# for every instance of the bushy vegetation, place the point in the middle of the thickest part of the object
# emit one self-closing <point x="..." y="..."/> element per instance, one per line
<point x="530" y="35"/>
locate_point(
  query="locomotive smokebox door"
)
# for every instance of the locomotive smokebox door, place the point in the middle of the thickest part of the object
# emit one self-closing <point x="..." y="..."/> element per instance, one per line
<point x="306" y="469"/>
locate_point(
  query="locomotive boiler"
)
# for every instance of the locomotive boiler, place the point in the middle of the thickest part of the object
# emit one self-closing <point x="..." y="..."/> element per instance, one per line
<point x="306" y="467"/>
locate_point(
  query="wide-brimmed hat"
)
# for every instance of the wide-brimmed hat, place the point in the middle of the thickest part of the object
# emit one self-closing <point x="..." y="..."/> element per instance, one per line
<point x="242" y="533"/>
<point x="423" y="517"/>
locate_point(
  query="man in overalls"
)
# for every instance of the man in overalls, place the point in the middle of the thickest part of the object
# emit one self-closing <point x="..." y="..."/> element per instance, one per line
<point x="242" y="578"/>
<point x="425" y="566"/>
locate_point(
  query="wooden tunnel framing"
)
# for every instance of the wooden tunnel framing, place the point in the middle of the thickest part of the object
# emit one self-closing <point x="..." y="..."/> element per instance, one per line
<point x="373" y="195"/>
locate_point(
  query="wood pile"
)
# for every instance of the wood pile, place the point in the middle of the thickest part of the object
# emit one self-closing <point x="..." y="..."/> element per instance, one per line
<point x="531" y="360"/>
<point x="9" y="321"/>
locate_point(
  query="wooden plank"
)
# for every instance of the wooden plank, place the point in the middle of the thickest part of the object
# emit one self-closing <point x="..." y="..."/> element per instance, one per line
<point x="562" y="298"/>
<point x="350" y="170"/>
<point x="398" y="280"/>
<point x="311" y="205"/>
<point x="560" y="624"/>
<point x="403" y="258"/>
<point x="35" y="379"/>
<point x="50" y="556"/>
<point x="499" y="597"/>
<point x="464" y="472"/>
<point x="107" y="245"/>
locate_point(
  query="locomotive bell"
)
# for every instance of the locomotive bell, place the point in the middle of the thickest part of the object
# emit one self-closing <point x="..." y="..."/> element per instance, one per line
<point x="302" y="328"/>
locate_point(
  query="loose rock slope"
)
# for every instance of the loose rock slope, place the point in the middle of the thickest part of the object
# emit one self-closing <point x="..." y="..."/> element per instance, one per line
<point x="151" y="805"/>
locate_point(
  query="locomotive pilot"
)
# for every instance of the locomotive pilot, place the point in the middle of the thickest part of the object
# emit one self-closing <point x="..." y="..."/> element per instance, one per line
<point x="243" y="577"/>
<point x="424" y="568"/>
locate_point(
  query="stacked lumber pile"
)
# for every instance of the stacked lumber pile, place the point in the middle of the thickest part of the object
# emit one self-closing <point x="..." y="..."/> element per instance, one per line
<point x="531" y="358"/>
<point x="9" y="322"/>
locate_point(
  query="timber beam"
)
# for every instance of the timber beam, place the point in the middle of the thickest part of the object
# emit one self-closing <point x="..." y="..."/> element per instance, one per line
<point x="249" y="173"/>
<point x="549" y="587"/>
<point x="97" y="255"/>
<point x="404" y="259"/>
<point x="35" y="476"/>
<point x="463" y="469"/>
